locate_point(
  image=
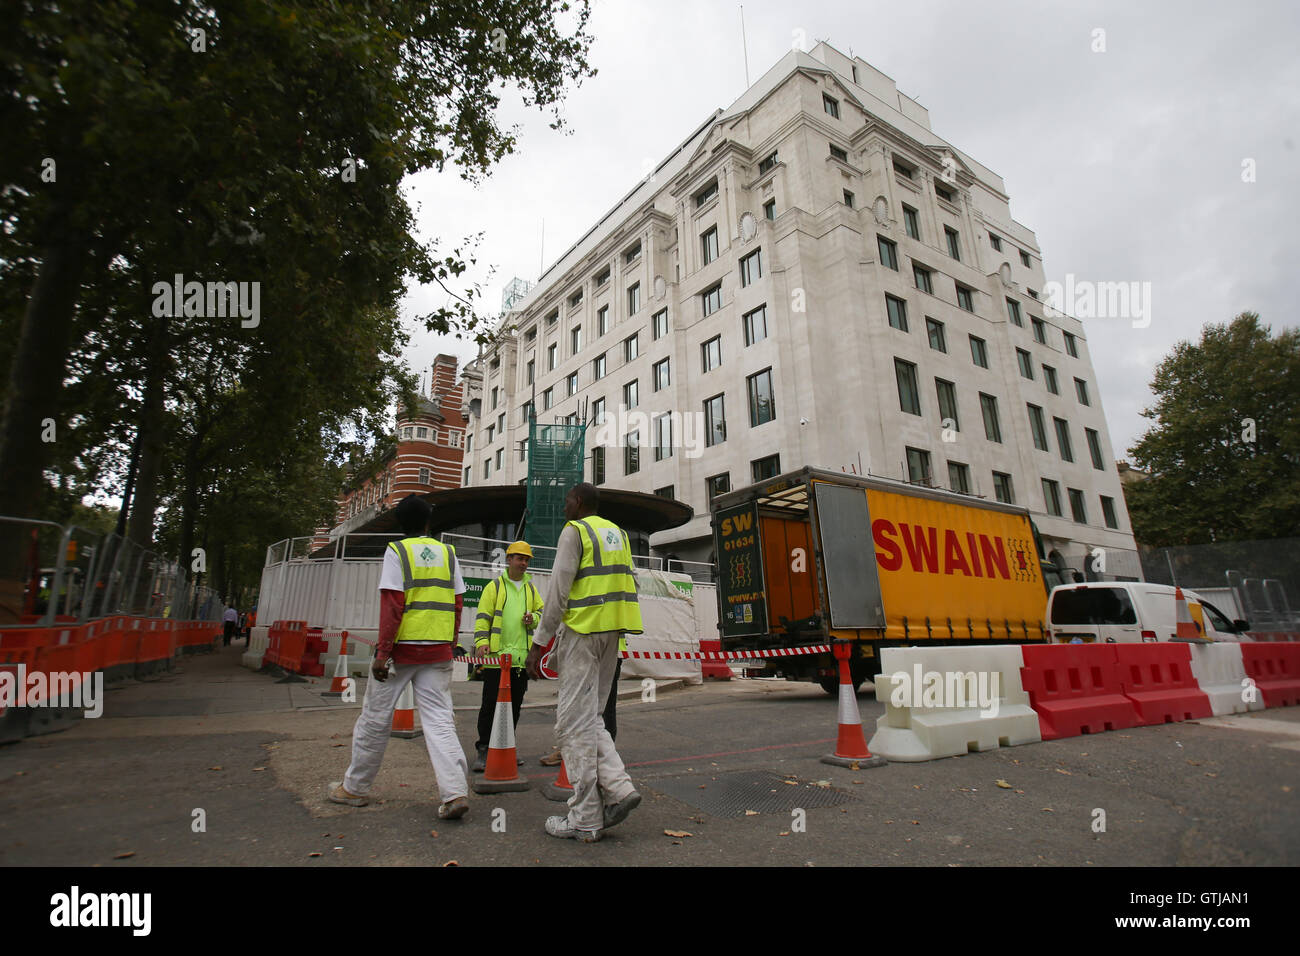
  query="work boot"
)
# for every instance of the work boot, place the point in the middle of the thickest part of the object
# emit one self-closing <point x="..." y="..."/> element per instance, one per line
<point x="339" y="794"/>
<point x="453" y="809"/>
<point x="560" y="827"/>
<point x="616" y="813"/>
<point x="553" y="759"/>
<point x="480" y="761"/>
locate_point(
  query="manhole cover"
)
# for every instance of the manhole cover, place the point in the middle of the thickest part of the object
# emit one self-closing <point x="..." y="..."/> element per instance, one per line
<point x="731" y="794"/>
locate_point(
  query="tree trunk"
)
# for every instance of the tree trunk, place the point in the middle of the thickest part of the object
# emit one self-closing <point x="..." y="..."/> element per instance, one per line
<point x="151" y="437"/>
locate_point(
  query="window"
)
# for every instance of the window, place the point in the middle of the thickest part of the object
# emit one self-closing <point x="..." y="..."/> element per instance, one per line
<point x="904" y="168"/>
<point x="548" y="399"/>
<point x="912" y="223"/>
<point x="468" y="470"/>
<point x="1026" y="364"/>
<point x="755" y="324"/>
<point x="995" y="242"/>
<point x="1081" y="389"/>
<point x="711" y="353"/>
<point x="1108" y="512"/>
<point x="575" y="300"/>
<point x="922" y="277"/>
<point x="602" y="278"/>
<point x="422" y="433"/>
<point x="888" y="253"/>
<point x="631" y="395"/>
<point x="553" y="317"/>
<point x="664" y="437"/>
<point x="965" y="299"/>
<point x="571" y="384"/>
<point x="501" y="452"/>
<point x="531" y="335"/>
<point x="552" y="356"/>
<point x="1002" y="488"/>
<point x="762" y="403"/>
<point x="1013" y="313"/>
<point x="709" y="245"/>
<point x="762" y="469"/>
<point x="1063" y="438"/>
<point x="706" y="195"/>
<point x="666" y="492"/>
<point x="406" y="432"/>
<point x="469" y="443"/>
<point x="715" y="421"/>
<point x="838" y="153"/>
<point x="598" y="411"/>
<point x="660" y="323"/>
<point x="909" y="397"/>
<point x="918" y="466"/>
<point x="424" y="476"/>
<point x="1040" y="330"/>
<point x="632" y="254"/>
<point x="1032" y="293"/>
<point x="947" y="393"/>
<point x="751" y="267"/>
<point x="1038" y="426"/>
<point x="501" y="424"/>
<point x="598" y="466"/>
<point x="959" y="477"/>
<point x="598" y="367"/>
<point x="530" y="373"/>
<point x="1078" y="509"/>
<point x="934" y="329"/>
<point x="602" y="320"/>
<point x="526" y="413"/>
<point x="1094" y="448"/>
<point x="662" y="374"/>
<point x="575" y="340"/>
<point x="631" y="347"/>
<point x="897" y="310"/>
<point x="1052" y="497"/>
<point x="1070" y="345"/>
<point x="632" y="453"/>
<point x="769" y="210"/>
<point x="989" y="408"/>
<point x="634" y="299"/>
<point x="767" y="163"/>
<point x="711" y="299"/>
<point x="1049" y="376"/>
<point x="946" y="194"/>
<point x="979" y="353"/>
<point x="717" y="485"/>
<point x="487" y="468"/>
<point x="1024" y="257"/>
<point x="831" y="106"/>
<point x="496" y="395"/>
<point x="954" y="242"/>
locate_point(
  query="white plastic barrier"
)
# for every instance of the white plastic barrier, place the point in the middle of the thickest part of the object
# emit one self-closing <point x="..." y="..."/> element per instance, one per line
<point x="1219" y="670"/>
<point x="258" y="640"/>
<point x="947" y="701"/>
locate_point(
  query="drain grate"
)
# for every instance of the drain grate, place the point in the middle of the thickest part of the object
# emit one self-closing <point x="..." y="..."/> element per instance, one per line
<point x="761" y="790"/>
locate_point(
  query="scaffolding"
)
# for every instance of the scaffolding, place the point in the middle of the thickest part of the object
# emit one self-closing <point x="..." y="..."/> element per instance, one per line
<point x="555" y="464"/>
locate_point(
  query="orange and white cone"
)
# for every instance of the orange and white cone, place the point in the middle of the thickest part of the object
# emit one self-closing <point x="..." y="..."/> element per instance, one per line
<point x="338" y="683"/>
<point x="404" y="715"/>
<point x="501" y="774"/>
<point x="1185" y="628"/>
<point x="851" y="747"/>
<point x="560" y="788"/>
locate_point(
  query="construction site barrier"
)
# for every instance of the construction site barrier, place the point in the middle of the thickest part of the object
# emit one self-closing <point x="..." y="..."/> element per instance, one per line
<point x="1219" y="672"/>
<point x="1158" y="679"/>
<point x="911" y="731"/>
<point x="1275" y="669"/>
<point x="1075" y="689"/>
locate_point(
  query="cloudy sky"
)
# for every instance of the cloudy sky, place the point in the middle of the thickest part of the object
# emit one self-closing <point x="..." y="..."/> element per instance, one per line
<point x="1129" y="164"/>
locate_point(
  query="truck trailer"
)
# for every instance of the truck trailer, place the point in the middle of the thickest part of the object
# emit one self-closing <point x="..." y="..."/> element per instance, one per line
<point x="813" y="556"/>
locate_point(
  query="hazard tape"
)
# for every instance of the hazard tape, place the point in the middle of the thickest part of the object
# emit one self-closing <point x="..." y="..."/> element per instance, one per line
<point x="668" y="655"/>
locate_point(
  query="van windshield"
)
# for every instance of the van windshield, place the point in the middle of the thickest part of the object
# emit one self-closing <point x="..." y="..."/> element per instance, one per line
<point x="1096" y="606"/>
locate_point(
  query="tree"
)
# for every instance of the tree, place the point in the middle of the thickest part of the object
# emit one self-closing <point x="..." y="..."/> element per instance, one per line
<point x="1224" y="455"/>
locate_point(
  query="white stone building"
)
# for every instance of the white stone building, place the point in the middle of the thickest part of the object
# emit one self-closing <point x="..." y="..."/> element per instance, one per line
<point x="812" y="277"/>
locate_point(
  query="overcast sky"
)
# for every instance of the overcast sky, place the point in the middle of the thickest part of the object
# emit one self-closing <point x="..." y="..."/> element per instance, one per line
<point x="1127" y="164"/>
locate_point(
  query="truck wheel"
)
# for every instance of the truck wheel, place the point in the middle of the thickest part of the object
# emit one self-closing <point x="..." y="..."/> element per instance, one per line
<point x="832" y="684"/>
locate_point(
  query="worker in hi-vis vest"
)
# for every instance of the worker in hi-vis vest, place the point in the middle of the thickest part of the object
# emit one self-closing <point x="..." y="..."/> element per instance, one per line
<point x="593" y="591"/>
<point x="508" y="612"/>
<point x="421" y="594"/>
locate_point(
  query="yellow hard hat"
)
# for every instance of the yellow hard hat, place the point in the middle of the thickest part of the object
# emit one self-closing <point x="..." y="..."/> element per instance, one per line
<point x="520" y="547"/>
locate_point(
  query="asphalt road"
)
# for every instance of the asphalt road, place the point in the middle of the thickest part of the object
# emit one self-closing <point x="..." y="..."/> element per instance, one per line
<point x="731" y="769"/>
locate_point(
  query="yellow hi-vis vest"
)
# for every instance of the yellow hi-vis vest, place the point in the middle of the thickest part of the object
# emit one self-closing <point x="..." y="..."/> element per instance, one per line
<point x="428" y="576"/>
<point x="603" y="596"/>
<point x="487" y="623"/>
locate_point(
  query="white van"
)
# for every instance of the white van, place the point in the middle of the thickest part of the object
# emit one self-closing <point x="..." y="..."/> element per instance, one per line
<point x="1132" y="612"/>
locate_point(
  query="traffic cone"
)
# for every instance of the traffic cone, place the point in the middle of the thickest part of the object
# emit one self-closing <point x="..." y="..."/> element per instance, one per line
<point x="851" y="747"/>
<point x="338" y="683"/>
<point x="404" y="715"/>
<point x="502" y="772"/>
<point x="559" y="788"/>
<point x="1185" y="628"/>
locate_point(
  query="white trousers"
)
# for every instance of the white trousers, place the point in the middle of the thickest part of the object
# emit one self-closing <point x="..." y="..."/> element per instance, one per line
<point x="431" y="685"/>
<point x="586" y="666"/>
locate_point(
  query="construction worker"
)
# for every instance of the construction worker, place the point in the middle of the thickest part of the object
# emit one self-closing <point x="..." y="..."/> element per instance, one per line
<point x="421" y="595"/>
<point x="508" y="612"/>
<point x="593" y="590"/>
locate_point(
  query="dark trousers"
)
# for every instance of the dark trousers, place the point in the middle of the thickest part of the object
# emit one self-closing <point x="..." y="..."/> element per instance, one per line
<point x="487" y="710"/>
<point x="230" y="632"/>
<point x="610" y="716"/>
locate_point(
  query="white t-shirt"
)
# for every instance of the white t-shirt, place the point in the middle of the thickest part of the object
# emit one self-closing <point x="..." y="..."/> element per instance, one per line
<point x="390" y="578"/>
